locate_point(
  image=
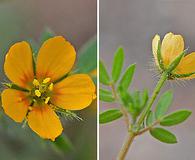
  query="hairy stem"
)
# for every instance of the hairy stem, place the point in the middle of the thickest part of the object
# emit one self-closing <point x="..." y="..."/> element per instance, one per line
<point x="123" y="109"/>
<point x="153" y="97"/>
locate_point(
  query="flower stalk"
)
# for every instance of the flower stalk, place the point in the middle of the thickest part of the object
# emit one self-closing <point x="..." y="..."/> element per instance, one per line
<point x="123" y="110"/>
<point x="126" y="146"/>
<point x="156" y="91"/>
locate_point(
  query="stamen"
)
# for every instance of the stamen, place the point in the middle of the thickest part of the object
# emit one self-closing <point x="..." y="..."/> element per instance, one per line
<point x="46" y="80"/>
<point x="30" y="108"/>
<point x="50" y="87"/>
<point x="36" y="82"/>
<point x="37" y="93"/>
<point x="47" y="100"/>
<point x="41" y="91"/>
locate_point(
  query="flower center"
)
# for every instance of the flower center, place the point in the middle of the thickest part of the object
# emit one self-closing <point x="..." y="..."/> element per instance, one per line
<point x="41" y="91"/>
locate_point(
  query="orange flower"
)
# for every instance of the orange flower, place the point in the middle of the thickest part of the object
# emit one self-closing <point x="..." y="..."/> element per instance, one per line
<point x="44" y="87"/>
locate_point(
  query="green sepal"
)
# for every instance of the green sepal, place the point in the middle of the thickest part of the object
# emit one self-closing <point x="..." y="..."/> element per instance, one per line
<point x="61" y="78"/>
<point x="182" y="75"/>
<point x="14" y="86"/>
<point x="159" y="56"/>
<point x="176" y="61"/>
<point x="34" y="63"/>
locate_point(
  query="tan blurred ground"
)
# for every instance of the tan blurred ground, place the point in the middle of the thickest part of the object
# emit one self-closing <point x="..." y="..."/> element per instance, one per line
<point x="133" y="23"/>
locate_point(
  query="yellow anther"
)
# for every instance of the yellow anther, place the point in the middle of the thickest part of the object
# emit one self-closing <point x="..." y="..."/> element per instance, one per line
<point x="47" y="100"/>
<point x="36" y="82"/>
<point x="30" y="108"/>
<point x="37" y="93"/>
<point x="50" y="87"/>
<point x="46" y="80"/>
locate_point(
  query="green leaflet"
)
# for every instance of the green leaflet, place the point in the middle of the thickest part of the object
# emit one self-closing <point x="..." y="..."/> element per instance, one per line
<point x="175" y="118"/>
<point x="106" y="95"/>
<point x="127" y="76"/>
<point x="110" y="115"/>
<point x="163" y="135"/>
<point x="103" y="74"/>
<point x="150" y="118"/>
<point x="163" y="104"/>
<point x="117" y="64"/>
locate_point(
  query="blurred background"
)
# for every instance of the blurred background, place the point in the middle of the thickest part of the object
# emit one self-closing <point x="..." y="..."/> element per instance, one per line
<point x="28" y="20"/>
<point x="132" y="24"/>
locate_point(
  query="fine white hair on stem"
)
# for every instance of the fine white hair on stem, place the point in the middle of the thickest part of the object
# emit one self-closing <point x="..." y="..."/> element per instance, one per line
<point x="156" y="75"/>
<point x="178" y="82"/>
<point x="182" y="82"/>
<point x="152" y="66"/>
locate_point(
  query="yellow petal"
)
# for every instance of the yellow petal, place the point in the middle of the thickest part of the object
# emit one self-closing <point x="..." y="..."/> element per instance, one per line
<point x="187" y="65"/>
<point x="44" y="121"/>
<point x="74" y="92"/>
<point x="172" y="46"/>
<point x="155" y="41"/>
<point x="55" y="58"/>
<point x="18" y="64"/>
<point x="14" y="104"/>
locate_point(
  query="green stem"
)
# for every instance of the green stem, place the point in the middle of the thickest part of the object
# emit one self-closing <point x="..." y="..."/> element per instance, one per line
<point x="126" y="146"/>
<point x="130" y="138"/>
<point x="132" y="135"/>
<point x="123" y="109"/>
<point x="153" y="97"/>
